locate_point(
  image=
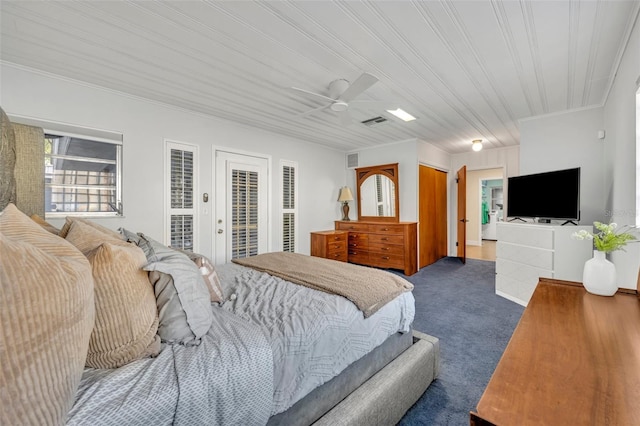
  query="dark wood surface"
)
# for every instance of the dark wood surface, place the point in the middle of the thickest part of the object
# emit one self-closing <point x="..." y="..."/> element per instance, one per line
<point x="382" y="245"/>
<point x="330" y="244"/>
<point x="574" y="359"/>
<point x="432" y="214"/>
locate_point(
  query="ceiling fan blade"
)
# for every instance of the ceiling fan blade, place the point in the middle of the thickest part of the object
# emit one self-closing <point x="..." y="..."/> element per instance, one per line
<point x="345" y="118"/>
<point x="311" y="111"/>
<point x="373" y="104"/>
<point x="361" y="84"/>
<point x="316" y="96"/>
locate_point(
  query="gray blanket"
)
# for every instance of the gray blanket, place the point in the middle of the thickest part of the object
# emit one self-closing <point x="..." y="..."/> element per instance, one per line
<point x="368" y="288"/>
<point x="226" y="380"/>
<point x="313" y="335"/>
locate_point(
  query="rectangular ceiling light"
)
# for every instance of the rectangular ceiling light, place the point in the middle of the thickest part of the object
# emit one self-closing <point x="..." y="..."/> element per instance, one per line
<point x="401" y="114"/>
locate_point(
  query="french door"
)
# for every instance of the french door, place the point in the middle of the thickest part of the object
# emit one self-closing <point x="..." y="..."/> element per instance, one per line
<point x="241" y="216"/>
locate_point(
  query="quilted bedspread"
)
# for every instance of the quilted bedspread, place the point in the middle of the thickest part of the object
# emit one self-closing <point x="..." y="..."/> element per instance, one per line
<point x="314" y="335"/>
<point x="226" y="380"/>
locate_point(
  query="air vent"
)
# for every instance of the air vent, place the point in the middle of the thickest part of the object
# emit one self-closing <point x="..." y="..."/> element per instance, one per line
<point x="352" y="160"/>
<point x="375" y="121"/>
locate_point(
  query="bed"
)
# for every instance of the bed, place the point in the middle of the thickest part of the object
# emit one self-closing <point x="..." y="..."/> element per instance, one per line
<point x="260" y="358"/>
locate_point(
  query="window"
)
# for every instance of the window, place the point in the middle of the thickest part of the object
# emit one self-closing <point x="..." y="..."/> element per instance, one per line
<point x="289" y="205"/>
<point x="181" y="217"/>
<point x="244" y="213"/>
<point x="82" y="175"/>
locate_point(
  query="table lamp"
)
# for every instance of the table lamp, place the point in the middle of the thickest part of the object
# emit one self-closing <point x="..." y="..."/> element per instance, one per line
<point x="344" y="197"/>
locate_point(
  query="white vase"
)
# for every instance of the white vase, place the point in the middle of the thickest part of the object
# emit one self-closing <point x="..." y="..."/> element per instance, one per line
<point x="599" y="275"/>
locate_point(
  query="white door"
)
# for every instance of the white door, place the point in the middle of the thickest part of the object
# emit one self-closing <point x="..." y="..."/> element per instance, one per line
<point x="241" y="206"/>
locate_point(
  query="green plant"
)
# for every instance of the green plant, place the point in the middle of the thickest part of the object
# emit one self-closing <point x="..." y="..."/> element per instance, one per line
<point x="608" y="238"/>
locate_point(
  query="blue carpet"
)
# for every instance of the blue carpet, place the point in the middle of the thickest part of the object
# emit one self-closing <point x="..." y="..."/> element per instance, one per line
<point x="457" y="304"/>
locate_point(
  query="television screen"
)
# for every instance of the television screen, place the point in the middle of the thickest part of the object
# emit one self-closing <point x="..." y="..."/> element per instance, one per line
<point x="550" y="195"/>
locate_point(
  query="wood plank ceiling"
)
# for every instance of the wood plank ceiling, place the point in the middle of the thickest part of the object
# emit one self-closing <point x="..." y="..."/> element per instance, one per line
<point x="465" y="69"/>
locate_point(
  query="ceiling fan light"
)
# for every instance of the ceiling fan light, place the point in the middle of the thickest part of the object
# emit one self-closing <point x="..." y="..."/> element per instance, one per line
<point x="476" y="144"/>
<point x="339" y="106"/>
<point x="401" y="114"/>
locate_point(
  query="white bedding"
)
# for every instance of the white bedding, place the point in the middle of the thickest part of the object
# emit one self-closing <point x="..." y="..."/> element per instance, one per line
<point x="313" y="335"/>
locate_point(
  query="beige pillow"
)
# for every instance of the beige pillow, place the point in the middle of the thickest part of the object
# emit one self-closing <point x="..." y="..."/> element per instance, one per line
<point x="46" y="225"/>
<point x="46" y="318"/>
<point x="69" y="221"/>
<point x="126" y="313"/>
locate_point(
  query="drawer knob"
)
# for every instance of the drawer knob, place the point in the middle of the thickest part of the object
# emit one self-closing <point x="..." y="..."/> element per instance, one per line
<point x="353" y="252"/>
<point x="385" y="257"/>
<point x="385" y="248"/>
<point x="384" y="239"/>
<point x="385" y="229"/>
<point x="336" y="238"/>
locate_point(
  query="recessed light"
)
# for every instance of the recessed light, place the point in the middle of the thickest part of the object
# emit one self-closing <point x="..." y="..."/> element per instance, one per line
<point x="401" y="114"/>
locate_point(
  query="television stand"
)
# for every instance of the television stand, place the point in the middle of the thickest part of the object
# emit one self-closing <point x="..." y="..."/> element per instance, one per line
<point x="569" y="221"/>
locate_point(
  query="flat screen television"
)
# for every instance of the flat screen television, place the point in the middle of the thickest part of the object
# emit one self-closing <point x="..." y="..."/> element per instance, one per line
<point x="549" y="195"/>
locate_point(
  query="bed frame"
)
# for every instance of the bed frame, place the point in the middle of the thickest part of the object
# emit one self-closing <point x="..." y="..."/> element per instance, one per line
<point x="378" y="389"/>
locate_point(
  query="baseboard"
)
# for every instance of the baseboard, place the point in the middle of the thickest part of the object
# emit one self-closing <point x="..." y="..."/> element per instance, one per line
<point x="513" y="299"/>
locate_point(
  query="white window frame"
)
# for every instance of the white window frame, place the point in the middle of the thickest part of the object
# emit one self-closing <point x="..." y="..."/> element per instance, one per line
<point x="168" y="210"/>
<point x="296" y="202"/>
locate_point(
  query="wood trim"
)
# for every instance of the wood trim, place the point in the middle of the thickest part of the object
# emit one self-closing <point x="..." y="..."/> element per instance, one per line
<point x="388" y="170"/>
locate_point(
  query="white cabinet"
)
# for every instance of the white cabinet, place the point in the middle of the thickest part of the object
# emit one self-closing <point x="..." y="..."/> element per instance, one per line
<point x="527" y="251"/>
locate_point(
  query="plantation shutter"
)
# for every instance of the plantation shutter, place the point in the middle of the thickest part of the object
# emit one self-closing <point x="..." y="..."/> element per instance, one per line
<point x="289" y="206"/>
<point x="244" y="213"/>
<point x="181" y="196"/>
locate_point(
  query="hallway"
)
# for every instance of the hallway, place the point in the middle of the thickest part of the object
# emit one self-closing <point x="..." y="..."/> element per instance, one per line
<point x="487" y="251"/>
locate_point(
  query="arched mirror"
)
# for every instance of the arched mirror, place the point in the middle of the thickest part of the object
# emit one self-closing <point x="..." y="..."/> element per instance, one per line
<point x="378" y="199"/>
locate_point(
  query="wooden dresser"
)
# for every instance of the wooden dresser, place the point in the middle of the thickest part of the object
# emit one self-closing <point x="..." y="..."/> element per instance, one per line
<point x="329" y="244"/>
<point x="383" y="245"/>
<point x="573" y="359"/>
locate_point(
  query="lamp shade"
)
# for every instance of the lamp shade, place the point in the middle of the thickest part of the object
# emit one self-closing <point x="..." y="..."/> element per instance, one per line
<point x="476" y="145"/>
<point x="345" y="194"/>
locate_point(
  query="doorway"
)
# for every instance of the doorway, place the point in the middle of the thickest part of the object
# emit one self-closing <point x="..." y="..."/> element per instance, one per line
<point x="241" y="212"/>
<point x="485" y="207"/>
<point x="432" y="228"/>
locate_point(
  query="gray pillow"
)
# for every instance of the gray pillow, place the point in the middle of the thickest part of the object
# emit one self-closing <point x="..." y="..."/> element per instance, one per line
<point x="184" y="305"/>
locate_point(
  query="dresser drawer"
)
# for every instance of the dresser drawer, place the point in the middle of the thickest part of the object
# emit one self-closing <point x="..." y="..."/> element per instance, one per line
<point x="340" y="256"/>
<point x="531" y="235"/>
<point x="338" y="236"/>
<point x="357" y="240"/>
<point x="352" y="226"/>
<point x="386" y="260"/>
<point x="359" y="256"/>
<point x="386" y="249"/>
<point x="387" y="229"/>
<point x="336" y="246"/>
<point x="386" y="239"/>
<point x="527" y="255"/>
<point x="520" y="272"/>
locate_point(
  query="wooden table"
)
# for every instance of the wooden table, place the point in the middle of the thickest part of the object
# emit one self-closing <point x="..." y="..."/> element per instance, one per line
<point x="573" y="359"/>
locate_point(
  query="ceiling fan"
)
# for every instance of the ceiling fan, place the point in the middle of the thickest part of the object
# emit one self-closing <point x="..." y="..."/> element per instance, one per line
<point x="341" y="96"/>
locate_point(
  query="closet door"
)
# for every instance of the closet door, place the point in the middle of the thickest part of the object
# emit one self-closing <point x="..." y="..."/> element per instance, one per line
<point x="433" y="215"/>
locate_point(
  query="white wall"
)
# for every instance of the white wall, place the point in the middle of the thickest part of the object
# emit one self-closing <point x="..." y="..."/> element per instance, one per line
<point x="145" y="126"/>
<point x="564" y="141"/>
<point x="620" y="156"/>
